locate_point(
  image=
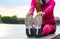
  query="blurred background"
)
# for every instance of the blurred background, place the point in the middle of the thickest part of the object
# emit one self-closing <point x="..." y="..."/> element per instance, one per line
<point x="14" y="11"/>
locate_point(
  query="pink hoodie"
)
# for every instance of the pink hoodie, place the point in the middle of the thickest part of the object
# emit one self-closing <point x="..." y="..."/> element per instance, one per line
<point x="47" y="8"/>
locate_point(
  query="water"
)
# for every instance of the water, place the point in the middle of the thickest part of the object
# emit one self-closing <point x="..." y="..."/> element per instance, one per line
<point x="17" y="31"/>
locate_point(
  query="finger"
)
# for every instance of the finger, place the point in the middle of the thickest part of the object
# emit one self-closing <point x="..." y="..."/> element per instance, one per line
<point x="27" y="15"/>
<point x="37" y="13"/>
<point x="42" y="15"/>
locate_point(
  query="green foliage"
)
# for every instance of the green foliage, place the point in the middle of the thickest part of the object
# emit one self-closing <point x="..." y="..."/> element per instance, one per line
<point x="22" y="20"/>
<point x="15" y="20"/>
<point x="6" y="19"/>
<point x="0" y="19"/>
<point x="11" y="20"/>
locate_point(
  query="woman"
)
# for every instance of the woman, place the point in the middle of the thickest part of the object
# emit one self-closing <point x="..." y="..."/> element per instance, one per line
<point x="48" y="21"/>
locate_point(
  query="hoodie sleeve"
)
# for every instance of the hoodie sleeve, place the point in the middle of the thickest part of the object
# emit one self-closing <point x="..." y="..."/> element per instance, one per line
<point x="32" y="7"/>
<point x="50" y="7"/>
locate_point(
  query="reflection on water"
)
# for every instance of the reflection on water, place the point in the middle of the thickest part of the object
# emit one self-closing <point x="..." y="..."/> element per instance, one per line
<point x="16" y="31"/>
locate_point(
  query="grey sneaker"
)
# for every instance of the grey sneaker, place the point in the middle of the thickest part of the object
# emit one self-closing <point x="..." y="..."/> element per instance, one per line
<point x="29" y="21"/>
<point x="38" y="27"/>
<point x="29" y="24"/>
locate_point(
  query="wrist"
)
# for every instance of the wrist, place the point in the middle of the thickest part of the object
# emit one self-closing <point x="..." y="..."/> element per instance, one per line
<point x="43" y="12"/>
<point x="30" y="13"/>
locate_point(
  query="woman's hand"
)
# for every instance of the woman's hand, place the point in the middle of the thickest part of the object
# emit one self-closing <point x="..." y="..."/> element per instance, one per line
<point x="29" y="13"/>
<point x="41" y="13"/>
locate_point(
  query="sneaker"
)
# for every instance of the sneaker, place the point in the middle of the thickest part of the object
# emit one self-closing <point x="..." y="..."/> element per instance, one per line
<point x="29" y="31"/>
<point x="29" y="24"/>
<point x="38" y="28"/>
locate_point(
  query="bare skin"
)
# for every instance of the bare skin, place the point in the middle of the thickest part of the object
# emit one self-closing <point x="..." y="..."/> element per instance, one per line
<point x="41" y="13"/>
<point x="29" y="14"/>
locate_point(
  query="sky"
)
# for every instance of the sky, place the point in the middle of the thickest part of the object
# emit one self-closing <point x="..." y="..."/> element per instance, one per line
<point x="13" y="3"/>
<point x="21" y="7"/>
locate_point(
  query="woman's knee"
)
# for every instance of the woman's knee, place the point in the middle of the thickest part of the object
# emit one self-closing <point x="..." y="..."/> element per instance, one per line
<point x="47" y="29"/>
